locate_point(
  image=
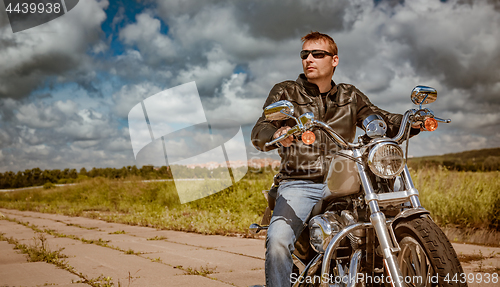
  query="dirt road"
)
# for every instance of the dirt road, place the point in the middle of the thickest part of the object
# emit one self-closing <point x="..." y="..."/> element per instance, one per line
<point x="99" y="253"/>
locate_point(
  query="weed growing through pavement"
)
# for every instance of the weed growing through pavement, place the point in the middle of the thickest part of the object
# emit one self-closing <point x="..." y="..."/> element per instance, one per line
<point x="204" y="271"/>
<point x="78" y="225"/>
<point x="480" y="258"/>
<point x="482" y="268"/>
<point x="100" y="241"/>
<point x="480" y="265"/>
<point x="158" y="260"/>
<point x="131" y="278"/>
<point x="39" y="251"/>
<point x="467" y="258"/>
<point x="132" y="252"/>
<point x="157" y="238"/>
<point x="101" y="281"/>
<point x="118" y="232"/>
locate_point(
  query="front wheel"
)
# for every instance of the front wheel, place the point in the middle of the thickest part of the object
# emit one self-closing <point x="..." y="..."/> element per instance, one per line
<point x="426" y="257"/>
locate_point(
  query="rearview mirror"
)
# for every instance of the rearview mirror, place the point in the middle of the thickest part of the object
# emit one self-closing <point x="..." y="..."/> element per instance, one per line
<point x="421" y="95"/>
<point x="279" y="111"/>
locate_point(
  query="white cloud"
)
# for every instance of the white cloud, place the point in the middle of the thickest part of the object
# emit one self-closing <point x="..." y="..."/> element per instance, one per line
<point x="130" y="95"/>
<point x="233" y="105"/>
<point x="39" y="116"/>
<point x="210" y="75"/>
<point x="145" y="34"/>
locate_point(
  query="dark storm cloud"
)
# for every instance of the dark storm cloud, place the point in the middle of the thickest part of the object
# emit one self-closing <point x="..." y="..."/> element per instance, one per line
<point x="435" y="57"/>
<point x="21" y="79"/>
<point x="274" y="19"/>
<point x="281" y="20"/>
<point x="456" y="46"/>
<point x="58" y="48"/>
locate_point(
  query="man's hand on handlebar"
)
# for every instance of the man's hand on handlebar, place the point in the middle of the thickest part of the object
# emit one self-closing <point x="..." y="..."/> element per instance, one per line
<point x="287" y="141"/>
<point x="418" y="126"/>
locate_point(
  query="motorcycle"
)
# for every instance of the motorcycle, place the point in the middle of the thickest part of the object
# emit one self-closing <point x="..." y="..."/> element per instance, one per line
<point x="372" y="230"/>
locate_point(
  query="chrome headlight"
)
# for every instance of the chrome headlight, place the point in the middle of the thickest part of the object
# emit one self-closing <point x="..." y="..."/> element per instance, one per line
<point x="386" y="160"/>
<point x="322" y="228"/>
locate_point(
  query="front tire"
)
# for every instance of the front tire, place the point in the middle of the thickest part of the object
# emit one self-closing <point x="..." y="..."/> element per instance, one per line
<point x="427" y="257"/>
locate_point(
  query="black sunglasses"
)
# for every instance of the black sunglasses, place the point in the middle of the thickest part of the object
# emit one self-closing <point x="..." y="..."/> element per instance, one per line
<point x="317" y="54"/>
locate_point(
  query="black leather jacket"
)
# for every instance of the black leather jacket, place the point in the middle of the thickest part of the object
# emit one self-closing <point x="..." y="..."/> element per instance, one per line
<point x="344" y="108"/>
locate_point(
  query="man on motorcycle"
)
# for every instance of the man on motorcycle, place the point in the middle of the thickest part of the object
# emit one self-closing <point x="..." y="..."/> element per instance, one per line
<point x="303" y="167"/>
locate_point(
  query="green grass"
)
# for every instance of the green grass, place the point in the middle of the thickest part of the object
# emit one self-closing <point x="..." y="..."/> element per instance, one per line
<point x="153" y="204"/>
<point x="458" y="199"/>
<point x="462" y="199"/>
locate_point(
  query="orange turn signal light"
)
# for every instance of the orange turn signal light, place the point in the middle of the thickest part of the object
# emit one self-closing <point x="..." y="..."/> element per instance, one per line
<point x="308" y="137"/>
<point x="431" y="124"/>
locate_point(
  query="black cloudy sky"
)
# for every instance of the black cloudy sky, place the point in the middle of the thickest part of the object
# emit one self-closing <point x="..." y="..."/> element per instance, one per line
<point x="67" y="86"/>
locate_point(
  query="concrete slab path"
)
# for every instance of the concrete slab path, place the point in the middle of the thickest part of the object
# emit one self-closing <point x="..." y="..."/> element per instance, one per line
<point x="101" y="253"/>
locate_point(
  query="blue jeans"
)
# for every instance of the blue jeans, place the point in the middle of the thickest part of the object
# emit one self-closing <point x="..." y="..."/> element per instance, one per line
<point x="294" y="203"/>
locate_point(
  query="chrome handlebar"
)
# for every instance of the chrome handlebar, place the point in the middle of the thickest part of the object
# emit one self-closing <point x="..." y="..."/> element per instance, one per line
<point x="404" y="123"/>
<point x="446" y="121"/>
<point x="334" y="136"/>
<point x="412" y="115"/>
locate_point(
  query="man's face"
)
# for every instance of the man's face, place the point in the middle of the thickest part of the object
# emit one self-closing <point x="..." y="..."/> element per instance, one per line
<point x="318" y="69"/>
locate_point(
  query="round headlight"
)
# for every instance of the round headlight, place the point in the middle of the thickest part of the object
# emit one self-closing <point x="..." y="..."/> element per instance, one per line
<point x="386" y="160"/>
<point x="322" y="228"/>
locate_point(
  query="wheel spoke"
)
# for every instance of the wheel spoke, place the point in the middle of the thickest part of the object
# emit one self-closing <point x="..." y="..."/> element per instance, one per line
<point x="407" y="267"/>
<point x="427" y="279"/>
<point x="410" y="267"/>
<point x="423" y="262"/>
<point x="414" y="262"/>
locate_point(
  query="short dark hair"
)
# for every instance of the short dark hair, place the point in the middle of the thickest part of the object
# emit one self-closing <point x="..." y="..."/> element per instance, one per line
<point x="317" y="36"/>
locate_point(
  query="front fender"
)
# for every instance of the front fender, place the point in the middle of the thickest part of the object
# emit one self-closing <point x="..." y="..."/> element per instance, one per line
<point x="410" y="213"/>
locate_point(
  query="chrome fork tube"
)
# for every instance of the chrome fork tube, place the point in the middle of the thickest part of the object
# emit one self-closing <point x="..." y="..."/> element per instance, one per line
<point x="378" y="220"/>
<point x="414" y="200"/>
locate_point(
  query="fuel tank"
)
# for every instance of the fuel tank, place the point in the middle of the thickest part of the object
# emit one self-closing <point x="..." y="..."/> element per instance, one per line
<point x="343" y="178"/>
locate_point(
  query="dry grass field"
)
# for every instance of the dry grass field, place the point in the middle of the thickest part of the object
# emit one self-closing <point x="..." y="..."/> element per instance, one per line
<point x="465" y="204"/>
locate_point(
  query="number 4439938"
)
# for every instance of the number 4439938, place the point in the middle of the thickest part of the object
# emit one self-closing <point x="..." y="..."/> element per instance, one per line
<point x="33" y="8"/>
<point x="472" y="278"/>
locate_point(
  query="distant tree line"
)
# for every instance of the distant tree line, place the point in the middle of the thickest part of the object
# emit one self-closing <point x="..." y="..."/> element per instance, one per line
<point x="490" y="163"/>
<point x="38" y="177"/>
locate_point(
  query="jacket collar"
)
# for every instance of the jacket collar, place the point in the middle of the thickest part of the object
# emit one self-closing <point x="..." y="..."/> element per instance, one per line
<point x="311" y="88"/>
